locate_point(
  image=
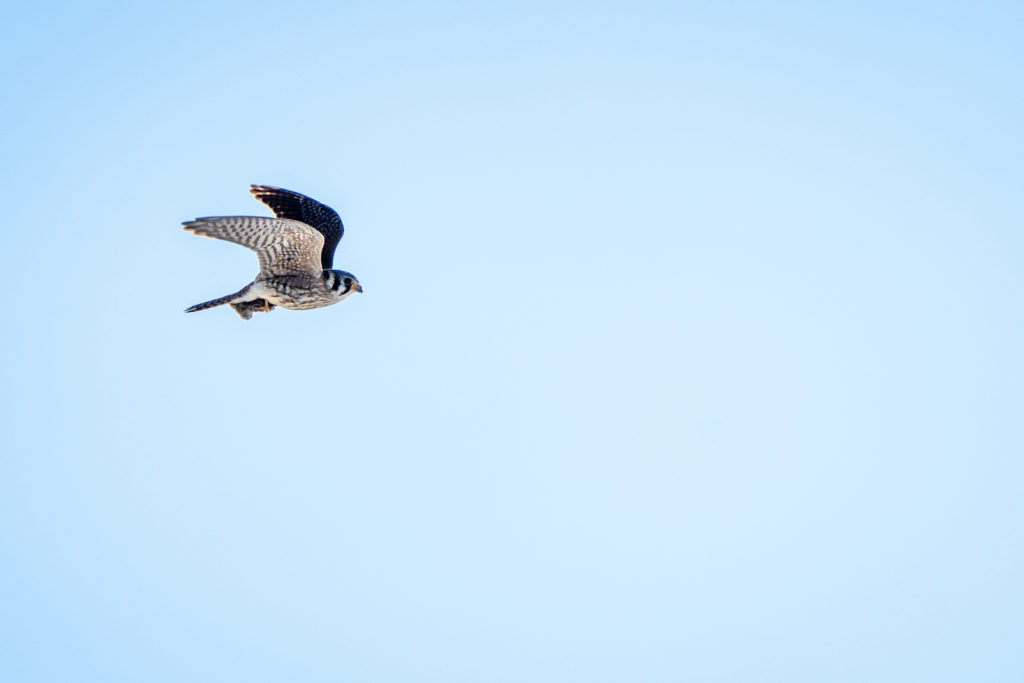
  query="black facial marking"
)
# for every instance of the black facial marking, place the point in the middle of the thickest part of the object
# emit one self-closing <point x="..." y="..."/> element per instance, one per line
<point x="337" y="284"/>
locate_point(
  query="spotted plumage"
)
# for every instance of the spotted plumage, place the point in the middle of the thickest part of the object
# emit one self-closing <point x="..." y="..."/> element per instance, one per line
<point x="295" y="251"/>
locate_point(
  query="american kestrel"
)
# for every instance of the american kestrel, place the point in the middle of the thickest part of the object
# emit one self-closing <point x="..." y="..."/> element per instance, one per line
<point x="296" y="251"/>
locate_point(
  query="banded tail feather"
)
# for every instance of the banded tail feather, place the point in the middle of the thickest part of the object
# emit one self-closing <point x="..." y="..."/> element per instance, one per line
<point x="213" y="303"/>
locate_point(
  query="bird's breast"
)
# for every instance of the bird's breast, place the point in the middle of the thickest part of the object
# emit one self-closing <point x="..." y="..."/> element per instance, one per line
<point x="294" y="292"/>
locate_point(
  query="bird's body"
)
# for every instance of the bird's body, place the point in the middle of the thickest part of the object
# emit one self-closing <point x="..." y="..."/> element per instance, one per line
<point x="295" y="255"/>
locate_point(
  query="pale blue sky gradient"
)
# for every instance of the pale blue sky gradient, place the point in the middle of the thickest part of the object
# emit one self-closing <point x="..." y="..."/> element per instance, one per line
<point x="690" y="348"/>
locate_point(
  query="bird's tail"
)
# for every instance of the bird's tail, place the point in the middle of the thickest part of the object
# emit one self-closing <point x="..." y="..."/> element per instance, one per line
<point x="230" y="298"/>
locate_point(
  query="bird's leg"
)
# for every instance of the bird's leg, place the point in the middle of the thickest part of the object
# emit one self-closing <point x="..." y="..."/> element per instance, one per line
<point x="266" y="306"/>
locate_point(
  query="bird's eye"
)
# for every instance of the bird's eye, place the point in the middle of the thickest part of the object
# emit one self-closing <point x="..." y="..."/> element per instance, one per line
<point x="348" y="282"/>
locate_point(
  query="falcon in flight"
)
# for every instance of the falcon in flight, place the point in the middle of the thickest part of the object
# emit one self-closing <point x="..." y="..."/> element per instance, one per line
<point x="295" y="249"/>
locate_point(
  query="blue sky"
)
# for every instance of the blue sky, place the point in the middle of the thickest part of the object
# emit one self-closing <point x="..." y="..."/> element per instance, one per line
<point x="690" y="346"/>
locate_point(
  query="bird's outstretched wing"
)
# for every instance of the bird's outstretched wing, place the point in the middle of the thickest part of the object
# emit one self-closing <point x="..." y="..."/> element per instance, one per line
<point x="284" y="247"/>
<point x="299" y="207"/>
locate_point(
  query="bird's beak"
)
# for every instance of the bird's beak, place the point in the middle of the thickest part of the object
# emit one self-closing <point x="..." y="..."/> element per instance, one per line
<point x="359" y="288"/>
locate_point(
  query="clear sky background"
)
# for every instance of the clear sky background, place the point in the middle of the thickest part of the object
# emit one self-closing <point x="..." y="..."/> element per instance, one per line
<point x="690" y="348"/>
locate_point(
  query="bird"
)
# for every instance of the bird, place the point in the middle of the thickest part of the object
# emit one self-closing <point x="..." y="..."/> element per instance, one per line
<point x="295" y="251"/>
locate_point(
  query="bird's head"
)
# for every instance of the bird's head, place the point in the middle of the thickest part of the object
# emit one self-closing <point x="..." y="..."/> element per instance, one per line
<point x="342" y="283"/>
